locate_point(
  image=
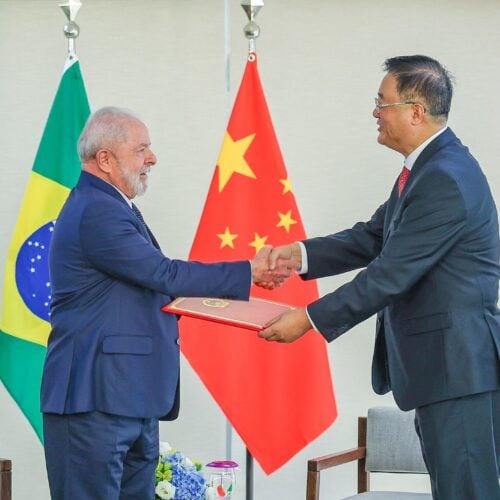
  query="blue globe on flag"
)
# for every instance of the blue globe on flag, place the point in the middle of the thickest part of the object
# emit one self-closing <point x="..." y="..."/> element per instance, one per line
<point x="32" y="271"/>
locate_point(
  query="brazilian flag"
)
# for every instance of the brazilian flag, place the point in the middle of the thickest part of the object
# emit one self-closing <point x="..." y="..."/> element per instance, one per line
<point x="25" y="326"/>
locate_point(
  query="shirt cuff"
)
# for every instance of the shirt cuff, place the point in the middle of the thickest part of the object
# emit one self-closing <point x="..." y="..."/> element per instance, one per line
<point x="304" y="267"/>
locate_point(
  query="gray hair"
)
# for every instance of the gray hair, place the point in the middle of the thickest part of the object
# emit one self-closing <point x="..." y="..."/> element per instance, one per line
<point x="104" y="128"/>
<point x="421" y="77"/>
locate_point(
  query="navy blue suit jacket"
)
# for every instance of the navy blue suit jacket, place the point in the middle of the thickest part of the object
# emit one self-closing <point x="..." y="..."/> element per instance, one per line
<point x="432" y="273"/>
<point x="111" y="348"/>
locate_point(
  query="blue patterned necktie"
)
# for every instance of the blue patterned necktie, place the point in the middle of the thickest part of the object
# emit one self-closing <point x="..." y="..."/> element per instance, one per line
<point x="137" y="213"/>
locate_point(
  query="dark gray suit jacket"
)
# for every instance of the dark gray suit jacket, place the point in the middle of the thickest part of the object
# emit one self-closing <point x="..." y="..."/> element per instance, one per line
<point x="432" y="273"/>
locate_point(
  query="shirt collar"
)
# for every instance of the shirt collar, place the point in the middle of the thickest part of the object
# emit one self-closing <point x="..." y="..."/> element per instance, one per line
<point x="129" y="203"/>
<point x="412" y="157"/>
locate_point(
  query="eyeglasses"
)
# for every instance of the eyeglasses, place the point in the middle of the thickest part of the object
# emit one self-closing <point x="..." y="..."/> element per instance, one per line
<point x="389" y="105"/>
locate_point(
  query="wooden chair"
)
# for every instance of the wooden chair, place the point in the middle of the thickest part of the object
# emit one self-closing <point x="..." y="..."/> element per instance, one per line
<point x="387" y="442"/>
<point x="5" y="479"/>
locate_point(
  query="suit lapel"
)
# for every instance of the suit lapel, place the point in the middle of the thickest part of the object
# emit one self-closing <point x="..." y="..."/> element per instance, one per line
<point x="152" y="238"/>
<point x="87" y="179"/>
<point x="395" y="201"/>
<point x="144" y="229"/>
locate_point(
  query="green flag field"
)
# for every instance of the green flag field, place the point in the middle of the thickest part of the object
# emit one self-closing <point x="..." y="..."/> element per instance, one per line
<point x="24" y="326"/>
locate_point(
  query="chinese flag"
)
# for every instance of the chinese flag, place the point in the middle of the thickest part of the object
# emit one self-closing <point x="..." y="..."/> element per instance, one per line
<point x="278" y="397"/>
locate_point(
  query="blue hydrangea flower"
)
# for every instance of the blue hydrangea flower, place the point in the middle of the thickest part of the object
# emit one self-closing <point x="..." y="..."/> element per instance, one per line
<point x="189" y="483"/>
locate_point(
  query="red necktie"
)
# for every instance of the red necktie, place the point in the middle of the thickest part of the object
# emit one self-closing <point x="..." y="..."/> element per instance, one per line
<point x="403" y="177"/>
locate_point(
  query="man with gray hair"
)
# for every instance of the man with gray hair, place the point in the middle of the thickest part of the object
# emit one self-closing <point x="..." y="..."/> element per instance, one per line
<point x="112" y="365"/>
<point x="431" y="259"/>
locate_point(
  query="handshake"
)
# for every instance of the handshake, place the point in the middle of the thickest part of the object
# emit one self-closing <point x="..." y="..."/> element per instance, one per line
<point x="272" y="266"/>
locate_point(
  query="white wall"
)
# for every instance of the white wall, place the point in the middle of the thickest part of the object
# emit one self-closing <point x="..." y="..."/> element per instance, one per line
<point x="320" y="64"/>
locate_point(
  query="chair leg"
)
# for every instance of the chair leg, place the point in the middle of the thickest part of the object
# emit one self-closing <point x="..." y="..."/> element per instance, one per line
<point x="363" y="476"/>
<point x="312" y="492"/>
<point x="5" y="479"/>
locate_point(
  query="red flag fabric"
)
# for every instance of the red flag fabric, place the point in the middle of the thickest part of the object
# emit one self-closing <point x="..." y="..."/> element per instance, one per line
<point x="278" y="397"/>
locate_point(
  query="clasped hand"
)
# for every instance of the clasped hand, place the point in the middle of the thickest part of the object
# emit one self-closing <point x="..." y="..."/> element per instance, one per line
<point x="270" y="268"/>
<point x="268" y="272"/>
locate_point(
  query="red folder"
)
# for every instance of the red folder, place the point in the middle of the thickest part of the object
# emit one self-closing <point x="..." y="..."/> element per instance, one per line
<point x="252" y="315"/>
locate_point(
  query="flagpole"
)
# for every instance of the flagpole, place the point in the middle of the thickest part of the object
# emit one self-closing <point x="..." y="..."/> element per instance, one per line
<point x="249" y="476"/>
<point x="227" y="76"/>
<point x="251" y="31"/>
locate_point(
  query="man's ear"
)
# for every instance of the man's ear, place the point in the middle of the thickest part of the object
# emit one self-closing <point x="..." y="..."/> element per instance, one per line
<point x="104" y="159"/>
<point x="418" y="114"/>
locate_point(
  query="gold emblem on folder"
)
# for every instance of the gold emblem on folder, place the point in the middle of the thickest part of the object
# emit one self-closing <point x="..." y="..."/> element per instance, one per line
<point x="215" y="303"/>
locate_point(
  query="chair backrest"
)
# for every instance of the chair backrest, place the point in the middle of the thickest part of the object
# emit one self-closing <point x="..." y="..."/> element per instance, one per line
<point x="392" y="443"/>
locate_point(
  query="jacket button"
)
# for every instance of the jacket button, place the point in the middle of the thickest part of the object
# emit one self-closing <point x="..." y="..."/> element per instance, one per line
<point x="178" y="341"/>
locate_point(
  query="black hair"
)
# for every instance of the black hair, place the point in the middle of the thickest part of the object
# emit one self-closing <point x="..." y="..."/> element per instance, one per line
<point x="421" y="78"/>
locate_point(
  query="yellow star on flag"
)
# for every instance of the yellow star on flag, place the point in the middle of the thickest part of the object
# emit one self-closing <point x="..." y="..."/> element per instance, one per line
<point x="227" y="238"/>
<point x="286" y="220"/>
<point x="258" y="242"/>
<point x="232" y="159"/>
<point x="287" y="186"/>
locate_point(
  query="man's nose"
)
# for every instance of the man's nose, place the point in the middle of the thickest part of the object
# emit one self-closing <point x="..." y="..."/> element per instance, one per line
<point x="375" y="112"/>
<point x="150" y="159"/>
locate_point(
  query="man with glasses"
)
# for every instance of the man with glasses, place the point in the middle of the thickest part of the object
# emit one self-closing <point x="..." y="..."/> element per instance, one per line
<point x="430" y="255"/>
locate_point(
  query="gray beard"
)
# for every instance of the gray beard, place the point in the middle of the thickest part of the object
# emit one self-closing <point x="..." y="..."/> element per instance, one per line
<point x="134" y="181"/>
<point x="139" y="187"/>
